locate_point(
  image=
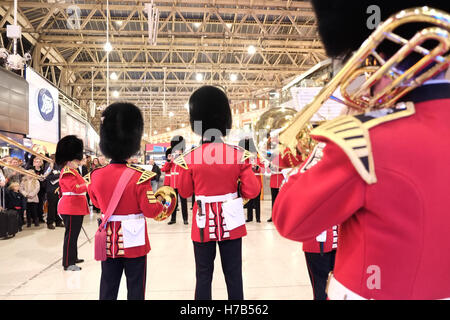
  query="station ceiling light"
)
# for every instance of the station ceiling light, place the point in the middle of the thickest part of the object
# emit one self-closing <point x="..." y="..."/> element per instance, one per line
<point x="251" y="49"/>
<point x="108" y="47"/>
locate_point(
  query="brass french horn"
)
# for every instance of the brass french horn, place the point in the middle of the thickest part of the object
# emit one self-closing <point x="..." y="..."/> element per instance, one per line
<point x="169" y="201"/>
<point x="402" y="82"/>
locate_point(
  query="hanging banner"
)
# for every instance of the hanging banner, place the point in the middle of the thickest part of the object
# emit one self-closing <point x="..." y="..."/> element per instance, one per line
<point x="71" y="125"/>
<point x="43" y="108"/>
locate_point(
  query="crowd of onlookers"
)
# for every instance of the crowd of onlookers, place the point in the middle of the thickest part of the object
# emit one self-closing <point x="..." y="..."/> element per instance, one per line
<point x="35" y="198"/>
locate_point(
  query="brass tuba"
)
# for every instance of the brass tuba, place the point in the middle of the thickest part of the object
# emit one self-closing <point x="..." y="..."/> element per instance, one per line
<point x="402" y="81"/>
<point x="169" y="202"/>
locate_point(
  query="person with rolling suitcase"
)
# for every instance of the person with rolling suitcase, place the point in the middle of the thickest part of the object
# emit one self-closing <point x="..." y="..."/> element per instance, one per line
<point x="9" y="224"/>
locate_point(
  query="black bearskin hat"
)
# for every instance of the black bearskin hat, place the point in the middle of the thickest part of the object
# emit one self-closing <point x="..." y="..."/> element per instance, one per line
<point x="210" y="105"/>
<point x="121" y="131"/>
<point x="177" y="143"/>
<point x="168" y="151"/>
<point x="248" y="144"/>
<point x="344" y="25"/>
<point x="68" y="148"/>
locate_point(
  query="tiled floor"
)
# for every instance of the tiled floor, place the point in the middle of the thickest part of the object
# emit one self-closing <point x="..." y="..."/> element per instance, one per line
<point x="30" y="265"/>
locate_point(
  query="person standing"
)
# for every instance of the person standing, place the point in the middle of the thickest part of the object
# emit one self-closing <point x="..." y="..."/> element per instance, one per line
<point x="367" y="175"/>
<point x="39" y="169"/>
<point x="52" y="185"/>
<point x="29" y="188"/>
<point x="155" y="169"/>
<point x="73" y="205"/>
<point x="127" y="243"/>
<point x="167" y="167"/>
<point x="212" y="172"/>
<point x="177" y="145"/>
<point x="255" y="203"/>
<point x="16" y="201"/>
<point x="282" y="161"/>
<point x="320" y="254"/>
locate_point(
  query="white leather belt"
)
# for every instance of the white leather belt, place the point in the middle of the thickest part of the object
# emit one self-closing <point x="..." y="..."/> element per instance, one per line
<point x="213" y="199"/>
<point x="175" y="173"/>
<point x="219" y="198"/>
<point x="337" y="291"/>
<point x="125" y="217"/>
<point x="73" y="194"/>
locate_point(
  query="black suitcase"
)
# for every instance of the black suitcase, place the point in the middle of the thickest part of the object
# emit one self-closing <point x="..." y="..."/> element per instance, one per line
<point x="9" y="219"/>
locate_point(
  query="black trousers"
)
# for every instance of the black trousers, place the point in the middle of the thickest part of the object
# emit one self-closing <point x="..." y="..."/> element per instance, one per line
<point x="73" y="224"/>
<point x="32" y="212"/>
<point x="135" y="272"/>
<point x="231" y="258"/>
<point x="274" y="192"/>
<point x="319" y="266"/>
<point x="184" y="211"/>
<point x="254" y="204"/>
<point x="52" y="214"/>
<point x="41" y="196"/>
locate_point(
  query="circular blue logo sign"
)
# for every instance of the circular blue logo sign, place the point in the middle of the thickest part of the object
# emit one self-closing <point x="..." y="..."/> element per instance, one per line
<point x="46" y="104"/>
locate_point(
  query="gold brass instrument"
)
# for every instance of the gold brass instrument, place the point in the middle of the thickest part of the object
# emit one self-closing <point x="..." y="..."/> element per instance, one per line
<point x="270" y="124"/>
<point x="10" y="141"/>
<point x="29" y="150"/>
<point x="170" y="202"/>
<point x="20" y="170"/>
<point x="402" y="82"/>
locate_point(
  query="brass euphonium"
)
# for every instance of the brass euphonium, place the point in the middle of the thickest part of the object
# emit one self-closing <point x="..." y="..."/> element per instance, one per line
<point x="402" y="81"/>
<point x="169" y="198"/>
<point x="267" y="128"/>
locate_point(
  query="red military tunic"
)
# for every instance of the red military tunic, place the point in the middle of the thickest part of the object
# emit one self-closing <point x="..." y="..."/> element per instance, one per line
<point x="214" y="169"/>
<point x="72" y="188"/>
<point x="166" y="169"/>
<point x="258" y="169"/>
<point x="283" y="161"/>
<point x="389" y="194"/>
<point x="174" y="176"/>
<point x="137" y="198"/>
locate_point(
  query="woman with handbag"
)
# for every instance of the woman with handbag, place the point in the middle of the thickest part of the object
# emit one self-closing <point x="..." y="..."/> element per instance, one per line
<point x="72" y="206"/>
<point x="124" y="194"/>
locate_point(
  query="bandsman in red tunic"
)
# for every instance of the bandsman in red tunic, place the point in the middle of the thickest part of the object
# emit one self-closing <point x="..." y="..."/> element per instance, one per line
<point x="282" y="161"/>
<point x="72" y="206"/>
<point x="381" y="176"/>
<point x="212" y="171"/>
<point x="177" y="145"/>
<point x="258" y="169"/>
<point x="320" y="255"/>
<point x="167" y="166"/>
<point x="127" y="240"/>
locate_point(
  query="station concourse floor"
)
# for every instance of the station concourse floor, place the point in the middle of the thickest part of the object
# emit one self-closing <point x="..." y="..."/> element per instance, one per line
<point x="274" y="268"/>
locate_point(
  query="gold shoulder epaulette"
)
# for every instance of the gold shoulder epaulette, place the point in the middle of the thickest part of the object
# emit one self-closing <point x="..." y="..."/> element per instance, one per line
<point x="245" y="153"/>
<point x="67" y="170"/>
<point x="87" y="178"/>
<point x="145" y="174"/>
<point x="351" y="134"/>
<point x="180" y="161"/>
